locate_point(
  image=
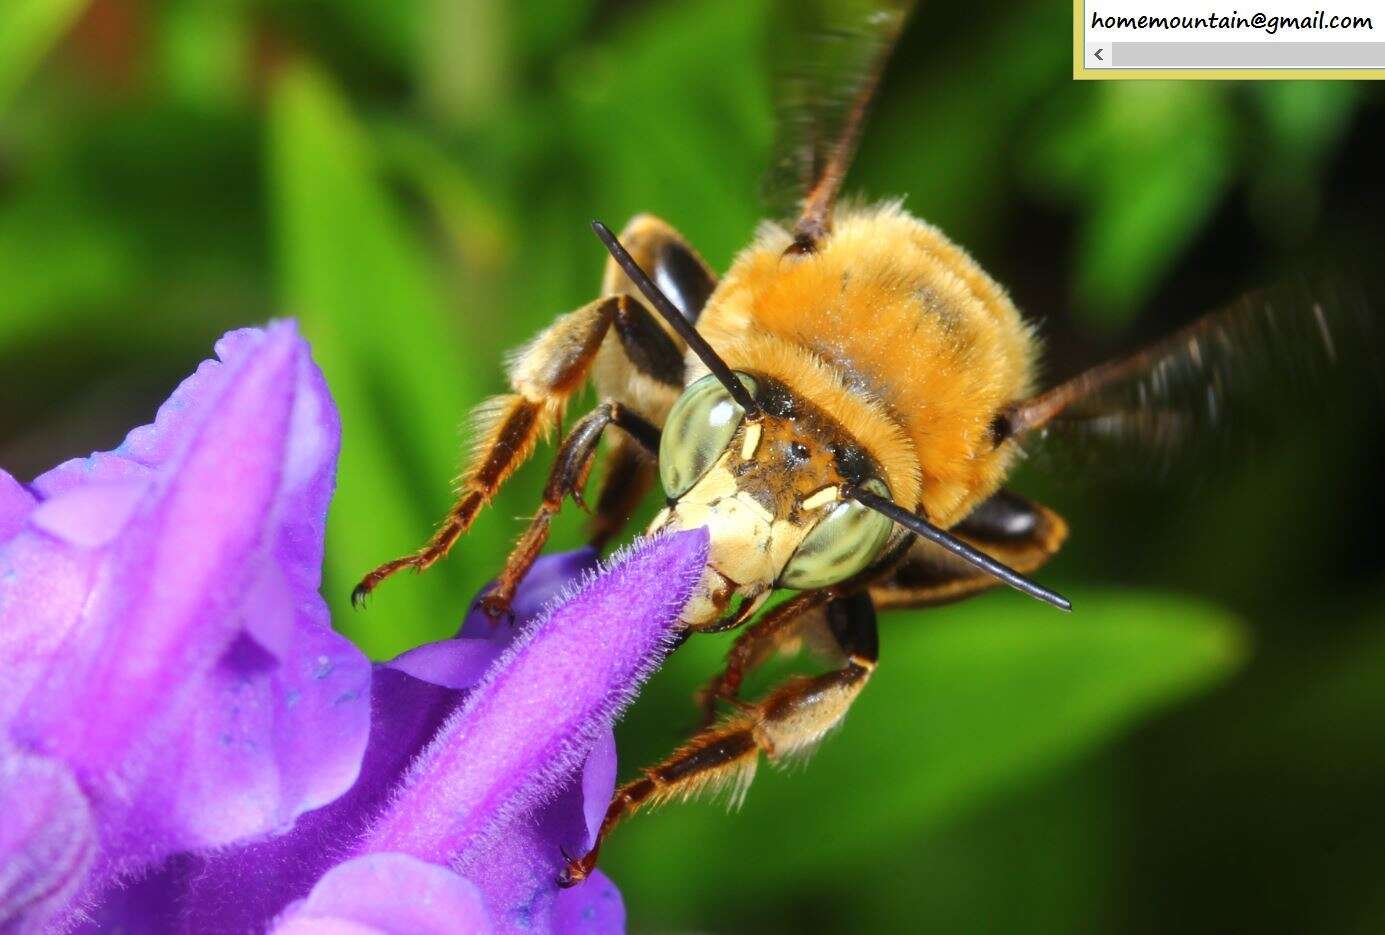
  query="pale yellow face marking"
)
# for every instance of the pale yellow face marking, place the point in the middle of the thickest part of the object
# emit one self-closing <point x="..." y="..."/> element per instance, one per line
<point x="752" y="441"/>
<point x="750" y="546"/>
<point x="823" y="497"/>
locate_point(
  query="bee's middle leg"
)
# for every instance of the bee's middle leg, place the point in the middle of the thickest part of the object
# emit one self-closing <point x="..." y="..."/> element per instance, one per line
<point x="755" y="644"/>
<point x="629" y="474"/>
<point x="543" y="374"/>
<point x="789" y="721"/>
<point x="567" y="478"/>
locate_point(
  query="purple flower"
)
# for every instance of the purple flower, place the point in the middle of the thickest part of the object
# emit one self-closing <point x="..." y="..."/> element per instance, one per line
<point x="171" y="682"/>
<point x="490" y="755"/>
<point x="186" y="745"/>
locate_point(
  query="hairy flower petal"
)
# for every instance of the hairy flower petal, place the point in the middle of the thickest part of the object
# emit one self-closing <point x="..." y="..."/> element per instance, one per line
<point x="542" y="706"/>
<point x="518" y="870"/>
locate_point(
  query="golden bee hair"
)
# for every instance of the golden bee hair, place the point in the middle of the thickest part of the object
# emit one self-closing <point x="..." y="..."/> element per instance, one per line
<point x="898" y="334"/>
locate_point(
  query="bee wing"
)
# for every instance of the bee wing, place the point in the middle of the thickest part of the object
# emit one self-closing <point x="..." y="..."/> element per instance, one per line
<point x="827" y="61"/>
<point x="1208" y="391"/>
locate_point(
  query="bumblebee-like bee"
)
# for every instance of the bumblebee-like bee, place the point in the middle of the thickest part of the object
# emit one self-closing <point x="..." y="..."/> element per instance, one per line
<point x="840" y="411"/>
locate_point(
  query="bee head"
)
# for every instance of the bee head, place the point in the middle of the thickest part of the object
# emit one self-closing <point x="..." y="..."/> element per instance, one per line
<point x="772" y="492"/>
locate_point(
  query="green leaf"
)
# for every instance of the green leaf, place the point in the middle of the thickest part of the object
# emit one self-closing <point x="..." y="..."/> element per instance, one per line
<point x="1148" y="162"/>
<point x="363" y="287"/>
<point x="967" y="703"/>
<point x="44" y="230"/>
<point x="699" y="168"/>
<point x="28" y="28"/>
<point x="205" y="53"/>
<point x="1305" y="122"/>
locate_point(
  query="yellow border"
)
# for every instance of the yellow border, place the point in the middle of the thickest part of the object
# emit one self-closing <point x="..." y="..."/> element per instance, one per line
<point x="1082" y="73"/>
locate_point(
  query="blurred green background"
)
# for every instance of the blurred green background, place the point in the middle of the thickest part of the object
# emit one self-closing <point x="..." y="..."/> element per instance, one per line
<point x="1200" y="747"/>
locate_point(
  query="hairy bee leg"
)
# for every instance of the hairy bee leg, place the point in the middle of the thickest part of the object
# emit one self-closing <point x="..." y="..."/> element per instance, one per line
<point x="629" y="475"/>
<point x="648" y="351"/>
<point x="543" y="374"/>
<point x="754" y="645"/>
<point x="789" y="721"/>
<point x="567" y="478"/>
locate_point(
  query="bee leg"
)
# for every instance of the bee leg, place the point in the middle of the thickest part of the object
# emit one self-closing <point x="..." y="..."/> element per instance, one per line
<point x="788" y="722"/>
<point x="543" y="374"/>
<point x="567" y="478"/>
<point x="755" y="644"/>
<point x="655" y="364"/>
<point x="629" y="475"/>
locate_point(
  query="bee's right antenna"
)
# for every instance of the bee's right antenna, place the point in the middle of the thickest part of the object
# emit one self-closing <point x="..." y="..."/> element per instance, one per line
<point x="920" y="526"/>
<point x="674" y="317"/>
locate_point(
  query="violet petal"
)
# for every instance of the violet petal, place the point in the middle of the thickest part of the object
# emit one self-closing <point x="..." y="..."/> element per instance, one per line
<point x="388" y="894"/>
<point x="160" y="626"/>
<point x="238" y="889"/>
<point x="598" y="784"/>
<point x="15" y="504"/>
<point x="461" y="663"/>
<point x="550" y="577"/>
<point x="594" y="908"/>
<point x="518" y="871"/>
<point x="47" y="839"/>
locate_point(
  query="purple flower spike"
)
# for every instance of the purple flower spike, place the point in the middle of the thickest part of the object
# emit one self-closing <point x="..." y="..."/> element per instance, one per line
<point x="162" y="640"/>
<point x="541" y="707"/>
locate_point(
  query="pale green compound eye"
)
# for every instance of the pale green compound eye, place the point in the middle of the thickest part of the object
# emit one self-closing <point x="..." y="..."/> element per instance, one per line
<point x="842" y="543"/>
<point x="698" y="429"/>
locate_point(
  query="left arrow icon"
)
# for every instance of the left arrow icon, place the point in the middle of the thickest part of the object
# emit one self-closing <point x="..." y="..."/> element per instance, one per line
<point x="1097" y="55"/>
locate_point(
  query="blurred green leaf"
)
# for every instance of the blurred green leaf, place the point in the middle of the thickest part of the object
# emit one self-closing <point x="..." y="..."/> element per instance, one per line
<point x="541" y="29"/>
<point x="465" y="58"/>
<point x="1304" y="122"/>
<point x="965" y="704"/>
<point x="42" y="231"/>
<point x="362" y="286"/>
<point x="1149" y="163"/>
<point x="28" y="28"/>
<point x="478" y="227"/>
<point x="205" y="52"/>
<point x="698" y="168"/>
<point x="388" y="32"/>
<point x="944" y="135"/>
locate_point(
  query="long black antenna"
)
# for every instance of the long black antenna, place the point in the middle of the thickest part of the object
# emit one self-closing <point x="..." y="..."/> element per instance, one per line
<point x="920" y="526"/>
<point x="675" y="318"/>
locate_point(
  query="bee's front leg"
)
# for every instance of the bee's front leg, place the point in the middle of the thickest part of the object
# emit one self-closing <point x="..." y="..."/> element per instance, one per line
<point x="788" y="722"/>
<point x="544" y="374"/>
<point x="567" y="478"/>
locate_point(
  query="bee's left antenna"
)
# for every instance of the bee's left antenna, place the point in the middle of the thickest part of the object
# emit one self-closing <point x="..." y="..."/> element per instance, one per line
<point x="674" y="317"/>
<point x="922" y="527"/>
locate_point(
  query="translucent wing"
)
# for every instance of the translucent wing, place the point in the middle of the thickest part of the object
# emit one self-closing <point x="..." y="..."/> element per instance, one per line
<point x="827" y="59"/>
<point x="1210" y="390"/>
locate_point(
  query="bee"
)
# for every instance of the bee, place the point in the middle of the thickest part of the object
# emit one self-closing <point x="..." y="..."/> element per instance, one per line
<point x="840" y="411"/>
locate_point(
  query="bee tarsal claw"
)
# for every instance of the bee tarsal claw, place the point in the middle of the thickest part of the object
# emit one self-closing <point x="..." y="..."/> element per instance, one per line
<point x="574" y="873"/>
<point x="497" y="606"/>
